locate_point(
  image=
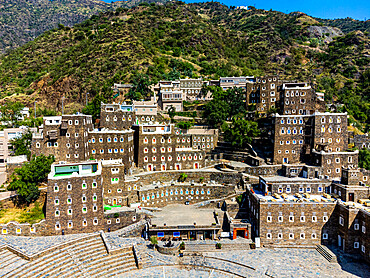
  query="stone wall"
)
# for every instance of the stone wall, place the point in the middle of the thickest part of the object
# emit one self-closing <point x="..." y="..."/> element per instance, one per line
<point x="118" y="220"/>
<point x="24" y="229"/>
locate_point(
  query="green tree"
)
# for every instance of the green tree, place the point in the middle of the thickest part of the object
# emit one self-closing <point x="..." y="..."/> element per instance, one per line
<point x="172" y="112"/>
<point x="241" y="131"/>
<point x="22" y="145"/>
<point x="184" y="125"/>
<point x="364" y="159"/>
<point x="93" y="107"/>
<point x="10" y="112"/>
<point x="27" y="178"/>
<point x="140" y="87"/>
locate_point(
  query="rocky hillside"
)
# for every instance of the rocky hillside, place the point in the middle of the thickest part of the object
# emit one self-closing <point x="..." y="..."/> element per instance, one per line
<point x="177" y="39"/>
<point x="23" y="20"/>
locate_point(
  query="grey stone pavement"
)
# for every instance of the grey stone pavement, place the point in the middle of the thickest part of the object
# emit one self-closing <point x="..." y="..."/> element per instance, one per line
<point x="279" y="262"/>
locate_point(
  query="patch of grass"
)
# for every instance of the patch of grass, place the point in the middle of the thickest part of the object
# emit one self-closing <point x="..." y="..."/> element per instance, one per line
<point x="31" y="214"/>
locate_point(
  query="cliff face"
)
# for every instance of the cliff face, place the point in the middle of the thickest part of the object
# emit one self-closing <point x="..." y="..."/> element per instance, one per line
<point x="326" y="32"/>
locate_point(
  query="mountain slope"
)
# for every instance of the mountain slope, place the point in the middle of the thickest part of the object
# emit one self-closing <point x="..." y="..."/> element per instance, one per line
<point x="166" y="41"/>
<point x="24" y="20"/>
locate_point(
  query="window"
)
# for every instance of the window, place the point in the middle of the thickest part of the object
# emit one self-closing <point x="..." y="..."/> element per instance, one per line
<point x="314" y="219"/>
<point x="356" y="245"/>
<point x="280" y="219"/>
<point x="56" y="188"/>
<point x="95" y="222"/>
<point x="341" y="220"/>
<point x="291" y="218"/>
<point x="302" y="219"/>
<point x="57" y="213"/>
<point x="95" y="208"/>
<point x="362" y="248"/>
<point x="291" y="236"/>
<point x="324" y="236"/>
<point x="302" y="236"/>
<point x="363" y="228"/>
<point x="269" y="218"/>
<point x="356" y="226"/>
<point x="117" y="220"/>
<point x="69" y="211"/>
<point x="268" y="236"/>
<point x="325" y="218"/>
<point x="69" y="201"/>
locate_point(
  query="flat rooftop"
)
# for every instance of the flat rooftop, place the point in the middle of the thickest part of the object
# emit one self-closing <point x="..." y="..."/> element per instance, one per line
<point x="292" y="179"/>
<point x="183" y="215"/>
<point x="296" y="198"/>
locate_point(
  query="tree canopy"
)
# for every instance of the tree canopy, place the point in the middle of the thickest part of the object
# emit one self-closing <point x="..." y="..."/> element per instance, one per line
<point x="364" y="159"/>
<point x="241" y="131"/>
<point x="140" y="87"/>
<point x="27" y="178"/>
<point x="10" y="112"/>
<point x="22" y="145"/>
<point x="224" y="105"/>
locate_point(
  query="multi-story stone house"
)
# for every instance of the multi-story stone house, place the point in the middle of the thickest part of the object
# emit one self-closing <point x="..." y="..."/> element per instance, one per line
<point x="299" y="211"/>
<point x="299" y="99"/>
<point x="311" y="139"/>
<point x="75" y="198"/>
<point x="264" y="93"/>
<point x="201" y="138"/>
<point x="191" y="89"/>
<point x="157" y="149"/>
<point x="117" y="116"/>
<point x="66" y="137"/>
<point x="168" y="99"/>
<point x="105" y="144"/>
<point x="146" y="111"/>
<point x="235" y="82"/>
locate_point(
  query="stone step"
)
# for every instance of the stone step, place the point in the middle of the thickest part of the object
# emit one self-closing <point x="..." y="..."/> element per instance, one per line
<point x="10" y="259"/>
<point x="58" y="256"/>
<point x="326" y="253"/>
<point x="116" y="267"/>
<point x="117" y="270"/>
<point x="68" y="258"/>
<point x="43" y="260"/>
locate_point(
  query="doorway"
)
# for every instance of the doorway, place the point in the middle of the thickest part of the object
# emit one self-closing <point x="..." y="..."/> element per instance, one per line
<point x="351" y="197"/>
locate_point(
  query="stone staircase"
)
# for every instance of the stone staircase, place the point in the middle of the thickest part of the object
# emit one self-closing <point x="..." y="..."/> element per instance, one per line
<point x="9" y="261"/>
<point x="86" y="257"/>
<point x="326" y="253"/>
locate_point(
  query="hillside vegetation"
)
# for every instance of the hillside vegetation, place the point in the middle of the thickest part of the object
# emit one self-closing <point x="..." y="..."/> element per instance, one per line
<point x="177" y="39"/>
<point x="23" y="20"/>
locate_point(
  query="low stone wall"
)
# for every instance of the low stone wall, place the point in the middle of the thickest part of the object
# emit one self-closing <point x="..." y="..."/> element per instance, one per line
<point x="218" y="177"/>
<point x="265" y="170"/>
<point x="24" y="229"/>
<point x="173" y="250"/>
<point x="118" y="220"/>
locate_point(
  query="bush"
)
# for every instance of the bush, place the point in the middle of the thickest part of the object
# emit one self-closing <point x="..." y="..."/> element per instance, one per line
<point x="153" y="240"/>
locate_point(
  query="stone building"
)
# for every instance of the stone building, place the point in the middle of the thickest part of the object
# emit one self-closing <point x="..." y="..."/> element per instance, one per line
<point x="361" y="141"/>
<point x="289" y="219"/>
<point x="200" y="137"/>
<point x="291" y="211"/>
<point x="117" y="116"/>
<point x="105" y="144"/>
<point x="65" y="137"/>
<point x="191" y="89"/>
<point x="235" y="82"/>
<point x="75" y="198"/>
<point x="146" y="111"/>
<point x="157" y="150"/>
<point x="264" y="93"/>
<point x="311" y="138"/>
<point x="299" y="99"/>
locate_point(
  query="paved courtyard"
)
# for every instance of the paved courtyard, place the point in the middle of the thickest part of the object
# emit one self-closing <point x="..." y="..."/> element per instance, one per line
<point x="280" y="262"/>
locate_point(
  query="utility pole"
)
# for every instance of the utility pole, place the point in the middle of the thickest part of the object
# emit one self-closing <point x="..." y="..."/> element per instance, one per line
<point x="35" y="114"/>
